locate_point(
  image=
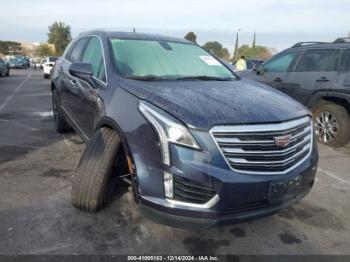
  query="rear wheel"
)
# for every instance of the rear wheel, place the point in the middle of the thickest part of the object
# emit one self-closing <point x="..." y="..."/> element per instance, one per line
<point x="8" y="72"/>
<point x="94" y="171"/>
<point x="332" y="124"/>
<point x="61" y="124"/>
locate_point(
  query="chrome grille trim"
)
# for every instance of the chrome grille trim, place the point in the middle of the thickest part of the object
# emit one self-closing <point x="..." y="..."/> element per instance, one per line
<point x="251" y="149"/>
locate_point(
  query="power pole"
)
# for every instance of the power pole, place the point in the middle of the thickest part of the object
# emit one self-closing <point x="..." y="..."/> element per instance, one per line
<point x="254" y="40"/>
<point x="235" y="53"/>
<point x="254" y="45"/>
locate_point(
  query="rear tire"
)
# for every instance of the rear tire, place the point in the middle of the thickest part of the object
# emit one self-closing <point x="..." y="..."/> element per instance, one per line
<point x="340" y="121"/>
<point x="94" y="170"/>
<point x="61" y="124"/>
<point x="8" y="73"/>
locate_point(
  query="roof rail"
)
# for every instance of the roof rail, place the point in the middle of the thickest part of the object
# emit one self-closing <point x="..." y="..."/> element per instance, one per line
<point x="342" y="40"/>
<point x="299" y="44"/>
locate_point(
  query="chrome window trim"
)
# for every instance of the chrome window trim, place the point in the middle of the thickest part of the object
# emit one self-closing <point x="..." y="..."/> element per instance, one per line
<point x="214" y="200"/>
<point x="263" y="128"/>
<point x="103" y="55"/>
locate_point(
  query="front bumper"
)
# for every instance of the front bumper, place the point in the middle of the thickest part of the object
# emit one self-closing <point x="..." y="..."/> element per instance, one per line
<point x="240" y="200"/>
<point x="169" y="219"/>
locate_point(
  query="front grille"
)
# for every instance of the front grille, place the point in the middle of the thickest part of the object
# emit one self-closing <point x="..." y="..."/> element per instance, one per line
<point x="252" y="148"/>
<point x="186" y="190"/>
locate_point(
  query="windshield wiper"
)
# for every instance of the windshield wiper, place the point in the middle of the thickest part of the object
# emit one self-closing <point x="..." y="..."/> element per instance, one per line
<point x="206" y="78"/>
<point x="147" y="78"/>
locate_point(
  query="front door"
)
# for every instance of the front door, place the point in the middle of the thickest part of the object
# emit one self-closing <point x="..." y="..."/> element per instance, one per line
<point x="86" y="103"/>
<point x="275" y="71"/>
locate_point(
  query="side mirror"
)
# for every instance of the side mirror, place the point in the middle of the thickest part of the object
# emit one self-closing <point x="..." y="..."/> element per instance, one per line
<point x="83" y="71"/>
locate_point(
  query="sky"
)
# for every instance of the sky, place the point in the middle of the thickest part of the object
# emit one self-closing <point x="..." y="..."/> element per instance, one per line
<point x="277" y="23"/>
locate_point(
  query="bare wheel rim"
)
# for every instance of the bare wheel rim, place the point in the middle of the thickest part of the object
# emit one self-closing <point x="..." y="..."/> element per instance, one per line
<point x="326" y="126"/>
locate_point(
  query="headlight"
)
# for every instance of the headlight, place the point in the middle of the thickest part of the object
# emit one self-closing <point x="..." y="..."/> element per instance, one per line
<point x="168" y="128"/>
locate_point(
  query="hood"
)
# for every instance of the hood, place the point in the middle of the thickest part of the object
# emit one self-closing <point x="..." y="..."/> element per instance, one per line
<point x="204" y="104"/>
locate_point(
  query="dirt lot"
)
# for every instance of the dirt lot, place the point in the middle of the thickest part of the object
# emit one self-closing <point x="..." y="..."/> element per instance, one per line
<point x="36" y="169"/>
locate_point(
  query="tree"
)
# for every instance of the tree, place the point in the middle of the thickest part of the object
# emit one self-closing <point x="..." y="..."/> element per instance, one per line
<point x="10" y="47"/>
<point x="44" y="50"/>
<point x="191" y="36"/>
<point x="59" y="35"/>
<point x="216" y="49"/>
<point x="259" y="52"/>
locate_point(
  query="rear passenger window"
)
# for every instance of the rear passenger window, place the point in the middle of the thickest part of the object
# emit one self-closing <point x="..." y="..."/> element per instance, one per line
<point x="93" y="55"/>
<point x="345" y="61"/>
<point x="74" y="55"/>
<point x="319" y="60"/>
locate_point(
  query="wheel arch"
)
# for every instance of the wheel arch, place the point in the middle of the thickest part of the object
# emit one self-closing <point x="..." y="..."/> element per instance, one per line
<point x="336" y="98"/>
<point x="112" y="124"/>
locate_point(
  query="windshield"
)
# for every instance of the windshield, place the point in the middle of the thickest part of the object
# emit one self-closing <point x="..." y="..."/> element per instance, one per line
<point x="141" y="59"/>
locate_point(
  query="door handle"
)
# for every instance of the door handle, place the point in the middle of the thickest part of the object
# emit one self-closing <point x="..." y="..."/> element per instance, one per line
<point x="73" y="82"/>
<point x="277" y="80"/>
<point x="322" y="79"/>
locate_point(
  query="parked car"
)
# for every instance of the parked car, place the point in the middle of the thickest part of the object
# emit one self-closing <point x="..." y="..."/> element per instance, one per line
<point x="163" y="114"/>
<point x="251" y="63"/>
<point x="48" y="65"/>
<point x="18" y="63"/>
<point x="317" y="75"/>
<point x="4" y="68"/>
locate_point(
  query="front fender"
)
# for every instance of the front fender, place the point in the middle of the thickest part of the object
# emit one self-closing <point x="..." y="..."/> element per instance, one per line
<point x="138" y="138"/>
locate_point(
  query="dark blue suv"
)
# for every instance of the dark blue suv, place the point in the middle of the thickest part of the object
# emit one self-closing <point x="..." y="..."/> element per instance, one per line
<point x="199" y="145"/>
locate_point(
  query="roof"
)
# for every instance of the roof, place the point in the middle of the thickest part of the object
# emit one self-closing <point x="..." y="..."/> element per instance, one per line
<point x="132" y="35"/>
<point x="338" y="43"/>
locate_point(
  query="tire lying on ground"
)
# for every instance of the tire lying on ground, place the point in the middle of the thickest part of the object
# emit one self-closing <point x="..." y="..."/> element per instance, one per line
<point x="340" y="114"/>
<point x="94" y="170"/>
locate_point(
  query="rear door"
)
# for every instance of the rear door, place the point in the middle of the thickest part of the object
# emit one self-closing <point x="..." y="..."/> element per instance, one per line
<point x="342" y="83"/>
<point x="275" y="71"/>
<point x="316" y="71"/>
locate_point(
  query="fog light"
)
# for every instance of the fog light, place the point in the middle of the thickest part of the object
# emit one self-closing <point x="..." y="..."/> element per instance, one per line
<point x="168" y="185"/>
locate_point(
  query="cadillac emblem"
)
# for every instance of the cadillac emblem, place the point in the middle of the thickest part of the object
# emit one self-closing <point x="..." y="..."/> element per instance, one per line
<point x="282" y="141"/>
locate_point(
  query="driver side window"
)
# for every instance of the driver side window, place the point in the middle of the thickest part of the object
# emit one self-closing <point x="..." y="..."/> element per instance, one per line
<point x="281" y="63"/>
